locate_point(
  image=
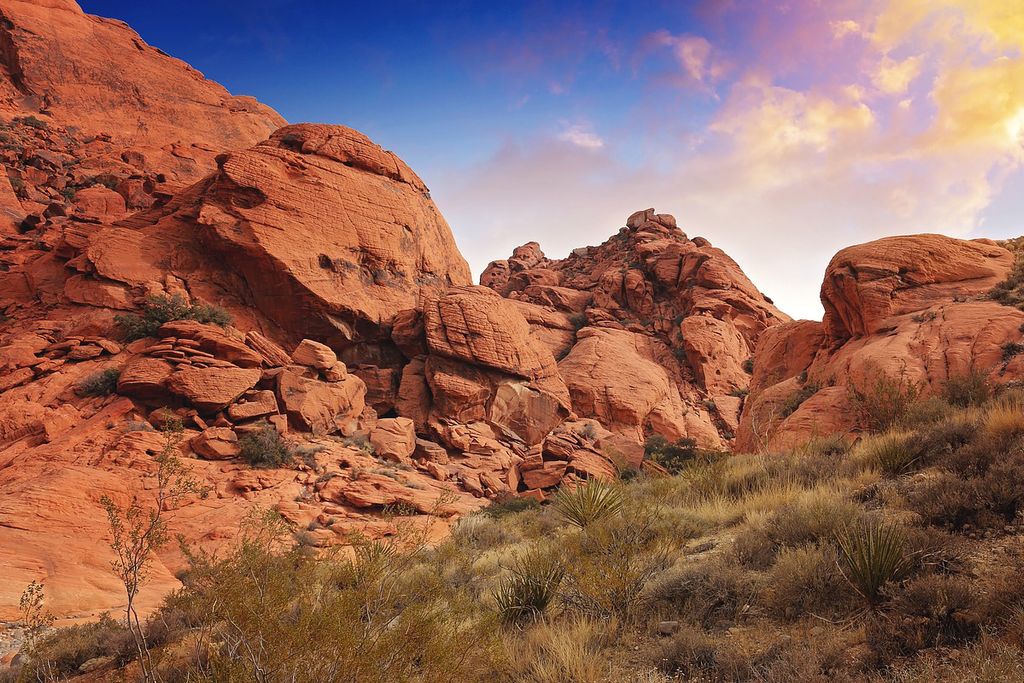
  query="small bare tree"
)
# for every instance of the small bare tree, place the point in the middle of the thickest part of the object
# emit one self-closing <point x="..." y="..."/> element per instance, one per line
<point x="34" y="619"/>
<point x="138" y="530"/>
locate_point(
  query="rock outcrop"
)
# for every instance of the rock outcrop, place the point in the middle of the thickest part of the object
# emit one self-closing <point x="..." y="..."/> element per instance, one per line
<point x="914" y="309"/>
<point x="653" y="330"/>
<point x="64" y="66"/>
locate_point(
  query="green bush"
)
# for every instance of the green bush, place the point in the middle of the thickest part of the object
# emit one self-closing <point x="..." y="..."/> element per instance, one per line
<point x="609" y="566"/>
<point x="587" y="504"/>
<point x="1011" y="349"/>
<point x="264" y="447"/>
<point x="33" y="122"/>
<point x="797" y="398"/>
<point x="161" y="309"/>
<point x="510" y="506"/>
<point x="99" y="383"/>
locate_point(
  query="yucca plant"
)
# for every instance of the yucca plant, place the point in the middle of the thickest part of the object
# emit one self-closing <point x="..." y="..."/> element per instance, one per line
<point x="585" y="505"/>
<point x="530" y="586"/>
<point x="871" y="555"/>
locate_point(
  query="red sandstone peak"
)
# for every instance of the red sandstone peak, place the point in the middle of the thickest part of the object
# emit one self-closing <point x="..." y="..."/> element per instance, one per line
<point x="99" y="76"/>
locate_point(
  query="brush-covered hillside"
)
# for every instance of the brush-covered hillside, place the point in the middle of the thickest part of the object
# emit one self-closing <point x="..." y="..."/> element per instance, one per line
<point x="894" y="557"/>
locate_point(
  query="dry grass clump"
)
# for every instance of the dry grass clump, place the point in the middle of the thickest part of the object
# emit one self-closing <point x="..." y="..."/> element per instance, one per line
<point x="807" y="580"/>
<point x="570" y="651"/>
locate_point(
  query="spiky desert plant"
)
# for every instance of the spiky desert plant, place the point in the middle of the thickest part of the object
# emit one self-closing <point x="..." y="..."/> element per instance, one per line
<point x="871" y="555"/>
<point x="530" y="586"/>
<point x="587" y="504"/>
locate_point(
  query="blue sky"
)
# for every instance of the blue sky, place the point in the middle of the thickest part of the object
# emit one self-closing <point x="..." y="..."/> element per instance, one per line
<point x="780" y="130"/>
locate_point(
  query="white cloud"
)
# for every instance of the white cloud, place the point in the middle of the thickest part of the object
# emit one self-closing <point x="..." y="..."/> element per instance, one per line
<point x="581" y="136"/>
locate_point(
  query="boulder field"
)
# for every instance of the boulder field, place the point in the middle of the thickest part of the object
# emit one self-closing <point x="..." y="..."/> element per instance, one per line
<point x="172" y="254"/>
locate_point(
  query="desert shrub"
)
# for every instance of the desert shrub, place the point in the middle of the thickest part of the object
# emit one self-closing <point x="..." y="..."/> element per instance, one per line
<point x="161" y="309"/>
<point x="676" y="456"/>
<point x="587" y="504"/>
<point x="926" y="412"/>
<point x="578" y="320"/>
<point x="944" y="500"/>
<point x="99" y="383"/>
<point x="610" y="565"/>
<point x="892" y="453"/>
<point x="263" y="447"/>
<point x="806" y="580"/>
<point x="690" y="653"/>
<point x="33" y="122"/>
<point x="715" y="592"/>
<point x="829" y="447"/>
<point x="930" y="611"/>
<point x="988" y="661"/>
<point x="480" y="532"/>
<point x="871" y="555"/>
<point x="529" y="587"/>
<point x="1011" y="349"/>
<point x="943" y="438"/>
<point x="510" y="506"/>
<point x="360" y="441"/>
<point x="882" y="400"/>
<point x="969" y="389"/>
<point x="932" y="550"/>
<point x="814" y="516"/>
<point x="1004" y="419"/>
<point x="275" y="613"/>
<point x="748" y="366"/>
<point x="63" y="650"/>
<point x="797" y="398"/>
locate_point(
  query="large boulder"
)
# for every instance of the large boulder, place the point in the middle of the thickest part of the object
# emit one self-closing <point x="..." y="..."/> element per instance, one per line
<point x="332" y="234"/>
<point x="212" y="389"/>
<point x="320" y="407"/>
<point x="612" y="378"/>
<point x="867" y="284"/>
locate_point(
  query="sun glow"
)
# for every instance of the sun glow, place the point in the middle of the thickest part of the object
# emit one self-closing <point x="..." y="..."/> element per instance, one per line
<point x="1015" y="128"/>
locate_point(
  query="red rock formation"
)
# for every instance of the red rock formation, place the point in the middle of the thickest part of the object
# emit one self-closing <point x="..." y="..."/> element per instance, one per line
<point x="99" y="76"/>
<point x="914" y="308"/>
<point x="667" y="325"/>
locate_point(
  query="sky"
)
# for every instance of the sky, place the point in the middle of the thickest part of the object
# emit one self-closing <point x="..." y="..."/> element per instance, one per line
<point x="780" y="130"/>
